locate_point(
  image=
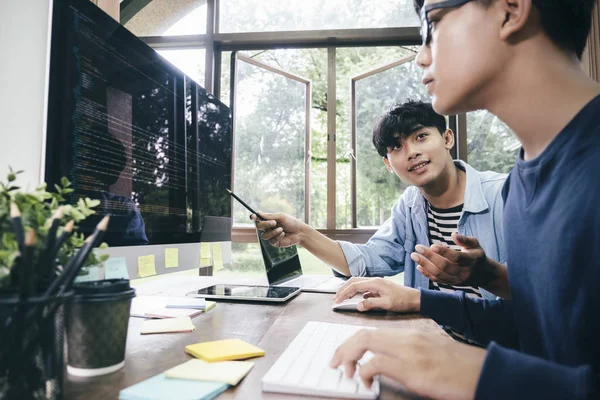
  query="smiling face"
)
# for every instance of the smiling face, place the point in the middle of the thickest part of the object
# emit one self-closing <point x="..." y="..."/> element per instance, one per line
<point x="464" y="56"/>
<point x="422" y="157"/>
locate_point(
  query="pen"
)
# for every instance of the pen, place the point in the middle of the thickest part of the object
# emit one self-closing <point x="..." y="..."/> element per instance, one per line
<point x="246" y="205"/>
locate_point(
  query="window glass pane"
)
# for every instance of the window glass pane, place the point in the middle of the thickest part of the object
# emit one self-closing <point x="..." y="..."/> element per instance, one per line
<point x="190" y="61"/>
<point x="491" y="145"/>
<point x="311" y="64"/>
<point x="169" y="18"/>
<point x="270" y="131"/>
<point x="225" y="77"/>
<point x="293" y="15"/>
<point x="378" y="189"/>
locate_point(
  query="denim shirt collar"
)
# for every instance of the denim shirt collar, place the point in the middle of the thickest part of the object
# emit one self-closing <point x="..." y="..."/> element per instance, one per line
<point x="475" y="201"/>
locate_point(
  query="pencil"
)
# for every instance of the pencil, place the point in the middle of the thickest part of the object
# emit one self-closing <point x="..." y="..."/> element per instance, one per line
<point x="15" y="215"/>
<point x="27" y="270"/>
<point x="45" y="264"/>
<point x="246" y="205"/>
<point x="72" y="269"/>
<point x="62" y="238"/>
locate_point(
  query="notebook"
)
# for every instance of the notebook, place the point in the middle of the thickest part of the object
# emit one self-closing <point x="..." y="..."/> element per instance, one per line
<point x="223" y="350"/>
<point x="159" y="387"/>
<point x="168" y="325"/>
<point x="230" y="372"/>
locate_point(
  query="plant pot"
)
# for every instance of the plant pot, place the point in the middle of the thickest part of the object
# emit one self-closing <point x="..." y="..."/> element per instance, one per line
<point x="32" y="349"/>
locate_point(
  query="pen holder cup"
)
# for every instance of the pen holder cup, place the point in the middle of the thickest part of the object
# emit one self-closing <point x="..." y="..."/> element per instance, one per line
<point x="97" y="327"/>
<point x="32" y="346"/>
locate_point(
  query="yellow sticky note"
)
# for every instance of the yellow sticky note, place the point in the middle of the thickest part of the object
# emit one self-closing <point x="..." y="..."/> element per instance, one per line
<point x="224" y="350"/>
<point x="230" y="372"/>
<point x="205" y="255"/>
<point x="167" y="325"/>
<point x="209" y="305"/>
<point x="217" y="256"/>
<point x="146" y="266"/>
<point x="171" y="258"/>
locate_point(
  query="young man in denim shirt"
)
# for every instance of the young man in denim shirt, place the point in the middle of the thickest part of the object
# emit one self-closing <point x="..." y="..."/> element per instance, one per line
<point x="445" y="195"/>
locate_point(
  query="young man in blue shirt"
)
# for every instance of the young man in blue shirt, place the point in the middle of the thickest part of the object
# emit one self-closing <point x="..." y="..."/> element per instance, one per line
<point x="445" y="195"/>
<point x="519" y="59"/>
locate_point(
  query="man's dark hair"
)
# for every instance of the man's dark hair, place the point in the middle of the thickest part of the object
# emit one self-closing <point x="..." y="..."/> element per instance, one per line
<point x="566" y="22"/>
<point x="401" y="121"/>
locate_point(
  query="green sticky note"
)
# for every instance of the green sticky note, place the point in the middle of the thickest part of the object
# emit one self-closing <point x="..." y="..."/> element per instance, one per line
<point x="146" y="266"/>
<point x="217" y="252"/>
<point x="92" y="275"/>
<point x="115" y="268"/>
<point x="171" y="258"/>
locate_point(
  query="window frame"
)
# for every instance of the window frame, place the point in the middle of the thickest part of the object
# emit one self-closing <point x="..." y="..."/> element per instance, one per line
<point x="216" y="43"/>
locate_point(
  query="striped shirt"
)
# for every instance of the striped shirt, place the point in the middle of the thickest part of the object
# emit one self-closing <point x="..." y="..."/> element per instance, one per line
<point x="441" y="224"/>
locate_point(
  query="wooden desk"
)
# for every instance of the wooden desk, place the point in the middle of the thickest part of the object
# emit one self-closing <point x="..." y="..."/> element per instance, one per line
<point x="271" y="327"/>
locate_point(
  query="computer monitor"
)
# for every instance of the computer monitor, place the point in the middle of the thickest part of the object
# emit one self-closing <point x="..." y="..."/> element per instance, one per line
<point x="127" y="127"/>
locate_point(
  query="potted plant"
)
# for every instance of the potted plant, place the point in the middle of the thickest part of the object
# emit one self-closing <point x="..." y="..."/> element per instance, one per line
<point x="32" y="311"/>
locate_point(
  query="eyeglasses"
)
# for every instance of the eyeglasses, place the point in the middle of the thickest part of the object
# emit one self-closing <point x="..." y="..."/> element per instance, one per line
<point x="426" y="26"/>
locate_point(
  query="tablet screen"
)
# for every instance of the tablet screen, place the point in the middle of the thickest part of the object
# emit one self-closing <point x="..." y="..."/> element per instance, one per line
<point x="245" y="291"/>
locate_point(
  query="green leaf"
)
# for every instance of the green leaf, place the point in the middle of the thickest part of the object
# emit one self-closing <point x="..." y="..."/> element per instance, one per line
<point x="77" y="215"/>
<point x="11" y="177"/>
<point x="91" y="203"/>
<point x="64" y="181"/>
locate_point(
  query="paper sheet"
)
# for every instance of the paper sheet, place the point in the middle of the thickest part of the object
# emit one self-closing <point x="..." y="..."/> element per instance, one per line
<point x="205" y="254"/>
<point x="146" y="266"/>
<point x="115" y="268"/>
<point x="92" y="275"/>
<point x="160" y="387"/>
<point x="224" y="350"/>
<point x="171" y="258"/>
<point x="217" y="252"/>
<point x="230" y="372"/>
<point x="168" y="325"/>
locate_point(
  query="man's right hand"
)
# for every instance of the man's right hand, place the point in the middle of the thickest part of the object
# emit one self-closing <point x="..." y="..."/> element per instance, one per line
<point x="380" y="294"/>
<point x="467" y="267"/>
<point x="281" y="230"/>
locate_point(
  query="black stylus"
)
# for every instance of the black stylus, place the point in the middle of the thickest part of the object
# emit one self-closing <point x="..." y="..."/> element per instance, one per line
<point x="246" y="205"/>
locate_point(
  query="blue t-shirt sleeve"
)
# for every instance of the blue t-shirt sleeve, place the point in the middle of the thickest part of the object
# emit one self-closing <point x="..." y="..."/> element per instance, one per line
<point x="509" y="374"/>
<point x="480" y="320"/>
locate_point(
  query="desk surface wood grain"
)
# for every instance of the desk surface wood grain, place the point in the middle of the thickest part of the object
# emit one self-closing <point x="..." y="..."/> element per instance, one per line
<point x="271" y="327"/>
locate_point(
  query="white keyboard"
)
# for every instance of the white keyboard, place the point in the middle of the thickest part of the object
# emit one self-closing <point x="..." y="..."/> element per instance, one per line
<point x="303" y="368"/>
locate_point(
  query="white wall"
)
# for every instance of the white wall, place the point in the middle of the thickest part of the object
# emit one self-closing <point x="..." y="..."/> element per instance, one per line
<point x="24" y="51"/>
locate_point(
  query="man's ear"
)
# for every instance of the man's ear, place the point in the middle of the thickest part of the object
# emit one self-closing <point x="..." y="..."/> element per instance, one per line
<point x="515" y="14"/>
<point x="388" y="165"/>
<point x="448" y="139"/>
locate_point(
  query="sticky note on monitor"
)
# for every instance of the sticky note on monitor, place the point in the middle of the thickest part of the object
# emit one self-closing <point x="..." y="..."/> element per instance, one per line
<point x="224" y="350"/>
<point x="115" y="268"/>
<point x="171" y="258"/>
<point x="146" y="266"/>
<point x="230" y="372"/>
<point x="93" y="274"/>
<point x="168" y="325"/>
<point x="217" y="252"/>
<point x="205" y="254"/>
